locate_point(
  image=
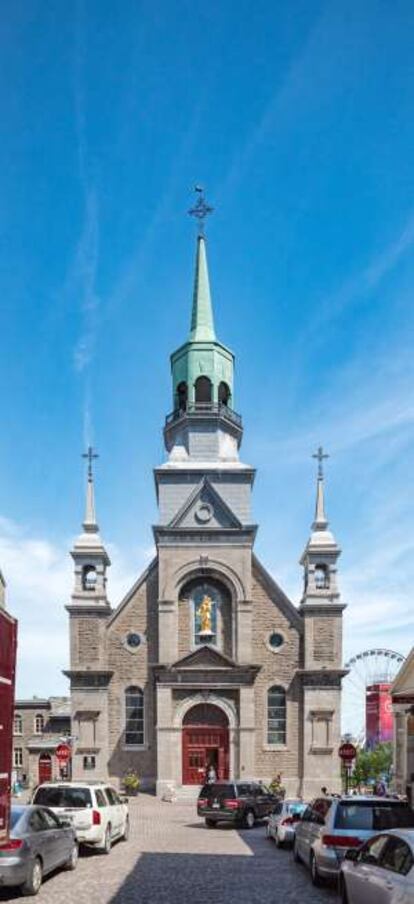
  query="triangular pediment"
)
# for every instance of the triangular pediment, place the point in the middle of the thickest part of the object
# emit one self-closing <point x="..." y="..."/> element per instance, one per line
<point x="204" y="657"/>
<point x="404" y="680"/>
<point x="205" y="508"/>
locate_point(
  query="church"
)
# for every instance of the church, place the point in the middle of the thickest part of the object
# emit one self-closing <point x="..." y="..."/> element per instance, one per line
<point x="206" y="662"/>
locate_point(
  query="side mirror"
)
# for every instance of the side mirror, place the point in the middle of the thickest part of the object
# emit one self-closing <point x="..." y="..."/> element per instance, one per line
<point x="352" y="854"/>
<point x="65" y="822"/>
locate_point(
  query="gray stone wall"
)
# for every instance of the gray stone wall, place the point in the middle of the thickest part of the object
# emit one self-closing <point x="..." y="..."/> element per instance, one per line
<point x="277" y="668"/>
<point x="140" y="614"/>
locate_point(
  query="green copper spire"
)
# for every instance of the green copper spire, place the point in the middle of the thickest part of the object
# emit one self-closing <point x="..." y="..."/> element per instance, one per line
<point x="202" y="322"/>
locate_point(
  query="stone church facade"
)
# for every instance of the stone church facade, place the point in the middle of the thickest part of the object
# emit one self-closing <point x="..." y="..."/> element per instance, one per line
<point x="206" y="660"/>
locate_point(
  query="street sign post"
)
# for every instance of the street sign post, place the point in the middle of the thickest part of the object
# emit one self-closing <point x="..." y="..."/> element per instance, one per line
<point x="347" y="752"/>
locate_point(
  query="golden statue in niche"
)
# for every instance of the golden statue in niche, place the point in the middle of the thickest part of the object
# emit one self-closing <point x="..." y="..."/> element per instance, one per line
<point x="204" y="613"/>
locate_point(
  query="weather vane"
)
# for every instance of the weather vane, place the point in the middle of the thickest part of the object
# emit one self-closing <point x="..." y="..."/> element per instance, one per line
<point x="320" y="455"/>
<point x="90" y="454"/>
<point x="201" y="209"/>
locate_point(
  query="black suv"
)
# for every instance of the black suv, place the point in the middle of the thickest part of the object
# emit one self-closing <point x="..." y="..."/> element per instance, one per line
<point x="238" y="802"/>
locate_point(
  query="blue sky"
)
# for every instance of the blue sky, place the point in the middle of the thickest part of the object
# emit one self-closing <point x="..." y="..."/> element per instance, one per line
<point x="299" y="120"/>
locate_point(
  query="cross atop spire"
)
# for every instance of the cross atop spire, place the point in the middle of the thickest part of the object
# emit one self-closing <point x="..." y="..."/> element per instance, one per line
<point x="89" y="524"/>
<point x="90" y="454"/>
<point x="201" y="209"/>
<point x="320" y="455"/>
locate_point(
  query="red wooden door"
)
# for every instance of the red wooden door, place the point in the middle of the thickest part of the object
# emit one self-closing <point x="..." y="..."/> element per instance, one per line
<point x="45" y="767"/>
<point x="203" y="745"/>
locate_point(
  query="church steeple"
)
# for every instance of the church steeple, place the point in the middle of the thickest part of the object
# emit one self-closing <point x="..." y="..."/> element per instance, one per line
<point x="322" y="551"/>
<point x="89" y="554"/>
<point x="202" y="323"/>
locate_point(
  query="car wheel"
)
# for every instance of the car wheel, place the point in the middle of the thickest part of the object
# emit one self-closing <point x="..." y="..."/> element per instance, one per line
<point x="315" y="874"/>
<point x="106" y="847"/>
<point x="125" y="835"/>
<point x="210" y="823"/>
<point x="73" y="859"/>
<point x="295" y="852"/>
<point x="33" y="879"/>
<point x="278" y="842"/>
<point x="249" y="819"/>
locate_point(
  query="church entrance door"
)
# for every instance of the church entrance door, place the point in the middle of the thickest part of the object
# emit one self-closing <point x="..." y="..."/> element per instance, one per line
<point x="205" y="743"/>
<point x="45" y="768"/>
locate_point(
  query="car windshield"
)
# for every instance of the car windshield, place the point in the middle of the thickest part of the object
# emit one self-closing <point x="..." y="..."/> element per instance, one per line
<point x="296" y="809"/>
<point x="374" y="816"/>
<point x="63" y="796"/>
<point x="217" y="790"/>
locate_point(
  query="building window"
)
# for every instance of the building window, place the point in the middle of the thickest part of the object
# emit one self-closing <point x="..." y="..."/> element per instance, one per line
<point x="18" y="757"/>
<point x="39" y="723"/>
<point x="134" y="716"/>
<point x="18" y="724"/>
<point x="224" y="394"/>
<point x="276" y="715"/>
<point x="89" y="577"/>
<point x="133" y="640"/>
<point x="182" y="394"/>
<point x="321" y="577"/>
<point x="203" y="390"/>
<point x="89" y="762"/>
<point x="276" y="640"/>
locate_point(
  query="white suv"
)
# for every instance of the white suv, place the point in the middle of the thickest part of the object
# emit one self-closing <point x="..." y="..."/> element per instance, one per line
<point x="96" y="811"/>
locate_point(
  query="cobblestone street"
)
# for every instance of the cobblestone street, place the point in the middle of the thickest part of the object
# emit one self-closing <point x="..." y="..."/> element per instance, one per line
<point x="171" y="858"/>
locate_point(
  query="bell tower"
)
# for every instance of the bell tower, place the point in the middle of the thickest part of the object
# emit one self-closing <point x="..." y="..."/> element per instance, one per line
<point x="89" y="554"/>
<point x="321" y="610"/>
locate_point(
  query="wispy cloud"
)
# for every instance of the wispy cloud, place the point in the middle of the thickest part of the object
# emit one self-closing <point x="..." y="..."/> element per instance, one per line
<point x="39" y="575"/>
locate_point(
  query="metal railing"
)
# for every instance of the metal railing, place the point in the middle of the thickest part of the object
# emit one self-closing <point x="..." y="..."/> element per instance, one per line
<point x="202" y="408"/>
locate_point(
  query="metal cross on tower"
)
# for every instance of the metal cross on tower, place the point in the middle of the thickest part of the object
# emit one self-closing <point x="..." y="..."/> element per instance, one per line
<point x="201" y="209"/>
<point x="90" y="454"/>
<point x="320" y="455"/>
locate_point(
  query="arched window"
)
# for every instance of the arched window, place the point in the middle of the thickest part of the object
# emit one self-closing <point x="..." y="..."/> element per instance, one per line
<point x="182" y="395"/>
<point x="203" y="390"/>
<point x="39" y="723"/>
<point x="224" y="393"/>
<point x="134" y="716"/>
<point x="276" y="715"/>
<point x="321" y="577"/>
<point x="18" y="724"/>
<point x="89" y="577"/>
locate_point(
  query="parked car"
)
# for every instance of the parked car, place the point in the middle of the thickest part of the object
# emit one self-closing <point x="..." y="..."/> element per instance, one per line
<point x="39" y="842"/>
<point x="332" y="825"/>
<point x="96" y="811"/>
<point x="240" y="803"/>
<point x="282" y="820"/>
<point x="381" y="871"/>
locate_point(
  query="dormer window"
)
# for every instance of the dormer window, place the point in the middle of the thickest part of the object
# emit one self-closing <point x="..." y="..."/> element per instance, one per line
<point x="89" y="577"/>
<point x="321" y="577"/>
<point x="39" y="724"/>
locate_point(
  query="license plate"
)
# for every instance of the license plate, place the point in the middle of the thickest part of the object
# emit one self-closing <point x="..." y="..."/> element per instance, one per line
<point x="216" y="806"/>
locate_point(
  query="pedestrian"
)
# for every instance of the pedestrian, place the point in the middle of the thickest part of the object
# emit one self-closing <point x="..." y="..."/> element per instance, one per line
<point x="211" y="774"/>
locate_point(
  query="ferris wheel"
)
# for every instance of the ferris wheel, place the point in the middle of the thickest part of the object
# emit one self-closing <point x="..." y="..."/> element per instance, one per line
<point x="371" y="667"/>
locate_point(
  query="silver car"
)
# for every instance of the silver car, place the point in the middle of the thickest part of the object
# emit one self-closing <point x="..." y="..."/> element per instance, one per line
<point x="282" y="820"/>
<point x="330" y="826"/>
<point x="381" y="872"/>
<point x="39" y="842"/>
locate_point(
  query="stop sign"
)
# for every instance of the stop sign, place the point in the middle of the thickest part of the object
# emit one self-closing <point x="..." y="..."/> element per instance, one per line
<point x="347" y="752"/>
<point x="63" y="753"/>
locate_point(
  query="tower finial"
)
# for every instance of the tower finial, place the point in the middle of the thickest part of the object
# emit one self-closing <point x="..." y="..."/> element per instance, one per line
<point x="89" y="523"/>
<point x="321" y="521"/>
<point x="201" y="209"/>
<point x="320" y="455"/>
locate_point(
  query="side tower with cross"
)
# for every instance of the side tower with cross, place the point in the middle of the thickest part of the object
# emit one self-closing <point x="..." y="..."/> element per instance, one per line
<point x="89" y="611"/>
<point x="322" y="672"/>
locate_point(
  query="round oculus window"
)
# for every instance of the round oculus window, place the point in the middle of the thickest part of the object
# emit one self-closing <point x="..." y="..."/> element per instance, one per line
<point x="133" y="640"/>
<point x="276" y="640"/>
<point x="204" y="512"/>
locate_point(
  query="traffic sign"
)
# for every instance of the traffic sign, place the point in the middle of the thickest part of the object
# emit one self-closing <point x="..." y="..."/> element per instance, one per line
<point x="63" y="753"/>
<point x="347" y="752"/>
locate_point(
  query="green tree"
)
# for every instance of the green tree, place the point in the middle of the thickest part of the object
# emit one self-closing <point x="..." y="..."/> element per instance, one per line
<point x="372" y="764"/>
